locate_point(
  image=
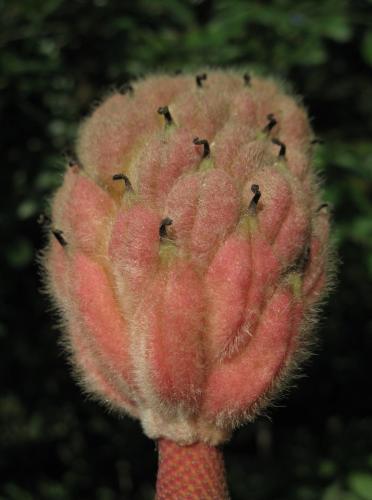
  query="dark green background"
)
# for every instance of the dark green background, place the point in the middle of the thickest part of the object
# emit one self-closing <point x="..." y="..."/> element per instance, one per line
<point x="56" y="58"/>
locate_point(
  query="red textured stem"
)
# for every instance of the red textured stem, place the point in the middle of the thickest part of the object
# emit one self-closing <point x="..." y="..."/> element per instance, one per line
<point x="195" y="472"/>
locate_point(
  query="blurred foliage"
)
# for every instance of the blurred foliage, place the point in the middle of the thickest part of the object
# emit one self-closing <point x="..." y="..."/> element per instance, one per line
<point x="56" y="58"/>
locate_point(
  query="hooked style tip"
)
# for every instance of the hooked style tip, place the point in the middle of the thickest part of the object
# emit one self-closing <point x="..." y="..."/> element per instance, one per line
<point x="252" y="208"/>
<point x="58" y="234"/>
<point x="163" y="227"/>
<point x="205" y="143"/>
<point x="323" y="207"/>
<point x="282" y="149"/>
<point x="123" y="177"/>
<point x="271" y="123"/>
<point x="164" y="110"/>
<point x="200" y="78"/>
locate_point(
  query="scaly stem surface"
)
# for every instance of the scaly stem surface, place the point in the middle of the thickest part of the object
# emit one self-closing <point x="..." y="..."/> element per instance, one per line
<point x="195" y="472"/>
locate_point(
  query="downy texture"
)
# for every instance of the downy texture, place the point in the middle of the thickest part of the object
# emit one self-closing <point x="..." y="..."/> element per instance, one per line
<point x="189" y="249"/>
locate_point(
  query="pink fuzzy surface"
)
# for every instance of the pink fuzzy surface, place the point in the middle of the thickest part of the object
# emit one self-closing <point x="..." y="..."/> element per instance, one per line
<point x="192" y="331"/>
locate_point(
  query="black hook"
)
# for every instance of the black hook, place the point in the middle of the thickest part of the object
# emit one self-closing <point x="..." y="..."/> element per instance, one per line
<point x="58" y="234"/>
<point x="163" y="227"/>
<point x="200" y="78"/>
<point x="255" y="188"/>
<point x="203" y="142"/>
<point x="164" y="110"/>
<point x="271" y="124"/>
<point x="123" y="177"/>
<point x="282" y="149"/>
<point x="323" y="205"/>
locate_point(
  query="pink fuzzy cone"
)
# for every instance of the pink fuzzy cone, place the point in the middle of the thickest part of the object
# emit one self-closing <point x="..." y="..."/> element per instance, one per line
<point x="191" y="249"/>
